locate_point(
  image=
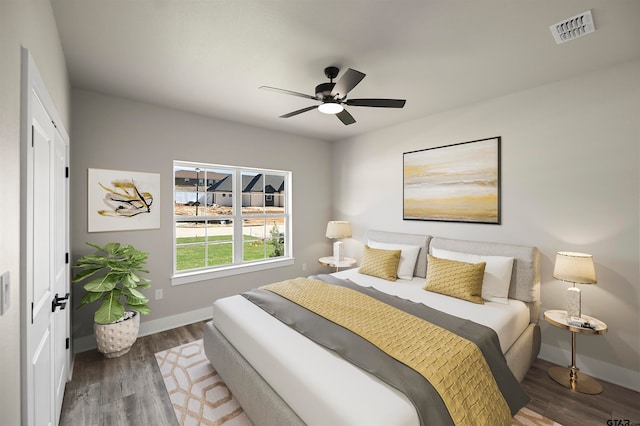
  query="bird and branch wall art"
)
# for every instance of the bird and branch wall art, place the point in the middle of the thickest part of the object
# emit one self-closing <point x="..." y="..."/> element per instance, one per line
<point x="122" y="200"/>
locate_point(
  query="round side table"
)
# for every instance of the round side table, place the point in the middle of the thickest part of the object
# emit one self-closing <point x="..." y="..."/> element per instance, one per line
<point x="331" y="261"/>
<point x="571" y="377"/>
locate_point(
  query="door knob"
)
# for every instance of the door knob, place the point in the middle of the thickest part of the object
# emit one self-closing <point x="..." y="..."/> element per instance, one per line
<point x="59" y="302"/>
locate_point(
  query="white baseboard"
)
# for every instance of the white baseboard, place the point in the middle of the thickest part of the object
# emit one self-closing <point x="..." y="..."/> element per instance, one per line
<point x="87" y="343"/>
<point x="598" y="369"/>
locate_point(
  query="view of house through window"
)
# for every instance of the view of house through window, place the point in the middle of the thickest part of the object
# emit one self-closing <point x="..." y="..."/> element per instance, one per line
<point x="228" y="216"/>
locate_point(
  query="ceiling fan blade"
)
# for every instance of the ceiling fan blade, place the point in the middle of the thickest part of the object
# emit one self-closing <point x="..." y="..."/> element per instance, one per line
<point x="287" y="92"/>
<point x="345" y="117"/>
<point x="348" y="81"/>
<point x="300" y="111"/>
<point x="378" y="103"/>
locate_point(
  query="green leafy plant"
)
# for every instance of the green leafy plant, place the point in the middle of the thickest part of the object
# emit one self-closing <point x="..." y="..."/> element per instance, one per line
<point x="113" y="274"/>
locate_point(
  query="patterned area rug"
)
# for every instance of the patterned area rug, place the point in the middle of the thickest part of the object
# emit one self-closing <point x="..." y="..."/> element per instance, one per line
<point x="526" y="417"/>
<point x="200" y="397"/>
<point x="198" y="394"/>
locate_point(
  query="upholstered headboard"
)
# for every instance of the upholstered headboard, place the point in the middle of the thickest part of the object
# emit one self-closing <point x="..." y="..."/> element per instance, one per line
<point x="525" y="275"/>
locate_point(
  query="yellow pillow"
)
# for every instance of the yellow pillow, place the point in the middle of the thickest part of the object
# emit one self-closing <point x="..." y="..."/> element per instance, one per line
<point x="456" y="279"/>
<point x="380" y="263"/>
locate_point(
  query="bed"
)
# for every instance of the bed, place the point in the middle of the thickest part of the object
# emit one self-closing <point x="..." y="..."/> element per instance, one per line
<point x="281" y="377"/>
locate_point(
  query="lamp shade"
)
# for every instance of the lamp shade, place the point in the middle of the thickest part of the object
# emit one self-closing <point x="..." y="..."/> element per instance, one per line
<point x="574" y="268"/>
<point x="338" y="229"/>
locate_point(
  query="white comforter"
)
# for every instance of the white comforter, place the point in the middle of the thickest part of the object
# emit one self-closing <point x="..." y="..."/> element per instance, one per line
<point x="319" y="385"/>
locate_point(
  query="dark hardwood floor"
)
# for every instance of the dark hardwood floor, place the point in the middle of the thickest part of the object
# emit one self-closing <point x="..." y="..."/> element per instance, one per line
<point x="571" y="408"/>
<point x="129" y="390"/>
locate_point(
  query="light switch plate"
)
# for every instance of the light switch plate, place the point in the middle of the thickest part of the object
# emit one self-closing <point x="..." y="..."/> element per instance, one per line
<point x="5" y="295"/>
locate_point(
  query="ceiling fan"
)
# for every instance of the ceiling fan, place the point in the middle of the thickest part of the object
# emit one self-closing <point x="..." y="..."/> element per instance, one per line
<point x="333" y="96"/>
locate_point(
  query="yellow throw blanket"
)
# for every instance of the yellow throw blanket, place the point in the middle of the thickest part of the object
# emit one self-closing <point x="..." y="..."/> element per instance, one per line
<point x="454" y="366"/>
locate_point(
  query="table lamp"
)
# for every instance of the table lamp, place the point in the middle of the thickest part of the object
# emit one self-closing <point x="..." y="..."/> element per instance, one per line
<point x="576" y="268"/>
<point x="337" y="230"/>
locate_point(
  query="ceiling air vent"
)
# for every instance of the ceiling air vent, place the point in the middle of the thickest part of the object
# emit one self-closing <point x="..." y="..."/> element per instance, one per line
<point x="572" y="28"/>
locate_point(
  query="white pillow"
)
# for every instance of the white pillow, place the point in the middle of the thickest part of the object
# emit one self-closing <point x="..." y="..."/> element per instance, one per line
<point x="497" y="272"/>
<point x="408" y="257"/>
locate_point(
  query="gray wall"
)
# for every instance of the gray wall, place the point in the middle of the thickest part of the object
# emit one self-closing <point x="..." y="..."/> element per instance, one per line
<point x="115" y="133"/>
<point x="27" y="23"/>
<point x="570" y="181"/>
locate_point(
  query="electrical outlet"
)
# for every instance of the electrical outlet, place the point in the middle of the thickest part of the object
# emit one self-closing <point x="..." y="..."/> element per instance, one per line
<point x="159" y="294"/>
<point x="5" y="292"/>
<point x="304" y="266"/>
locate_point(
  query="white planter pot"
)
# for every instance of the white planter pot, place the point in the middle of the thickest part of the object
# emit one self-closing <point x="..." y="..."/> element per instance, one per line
<point x="116" y="339"/>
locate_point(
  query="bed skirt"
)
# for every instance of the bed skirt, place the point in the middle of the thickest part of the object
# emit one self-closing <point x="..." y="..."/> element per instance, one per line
<point x="524" y="351"/>
<point x="256" y="397"/>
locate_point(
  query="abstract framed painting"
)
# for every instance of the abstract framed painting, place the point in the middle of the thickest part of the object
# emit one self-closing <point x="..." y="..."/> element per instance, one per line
<point x="453" y="183"/>
<point x="122" y="200"/>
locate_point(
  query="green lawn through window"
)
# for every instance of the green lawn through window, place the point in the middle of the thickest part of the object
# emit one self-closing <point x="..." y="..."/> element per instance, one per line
<point x="220" y="251"/>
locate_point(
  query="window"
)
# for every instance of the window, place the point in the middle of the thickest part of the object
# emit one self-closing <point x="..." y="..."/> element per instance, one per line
<point x="240" y="221"/>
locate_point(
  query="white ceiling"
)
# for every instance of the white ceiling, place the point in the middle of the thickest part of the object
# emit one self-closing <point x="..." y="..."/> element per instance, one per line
<point x="210" y="57"/>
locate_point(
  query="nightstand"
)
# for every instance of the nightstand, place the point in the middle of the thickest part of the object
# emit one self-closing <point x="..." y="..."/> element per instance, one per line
<point x="331" y="261"/>
<point x="570" y="377"/>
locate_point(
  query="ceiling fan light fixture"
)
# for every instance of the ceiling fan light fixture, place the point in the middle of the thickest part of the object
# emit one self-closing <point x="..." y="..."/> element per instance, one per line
<point x="330" y="108"/>
<point x="333" y="95"/>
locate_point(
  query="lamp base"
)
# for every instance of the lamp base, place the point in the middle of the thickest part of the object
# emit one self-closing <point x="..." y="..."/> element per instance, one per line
<point x="571" y="378"/>
<point x="338" y="251"/>
<point x="573" y="302"/>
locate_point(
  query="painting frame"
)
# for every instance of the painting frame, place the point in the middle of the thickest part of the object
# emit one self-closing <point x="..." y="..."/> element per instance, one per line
<point x="460" y="182"/>
<point x="119" y="200"/>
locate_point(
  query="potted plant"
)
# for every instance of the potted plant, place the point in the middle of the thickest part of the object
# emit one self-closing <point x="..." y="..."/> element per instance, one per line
<point x="114" y="281"/>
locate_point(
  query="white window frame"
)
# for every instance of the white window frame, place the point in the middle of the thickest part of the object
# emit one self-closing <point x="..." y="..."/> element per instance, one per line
<point x="239" y="266"/>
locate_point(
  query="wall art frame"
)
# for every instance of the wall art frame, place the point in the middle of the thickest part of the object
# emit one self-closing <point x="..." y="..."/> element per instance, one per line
<point x="454" y="183"/>
<point x="120" y="200"/>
